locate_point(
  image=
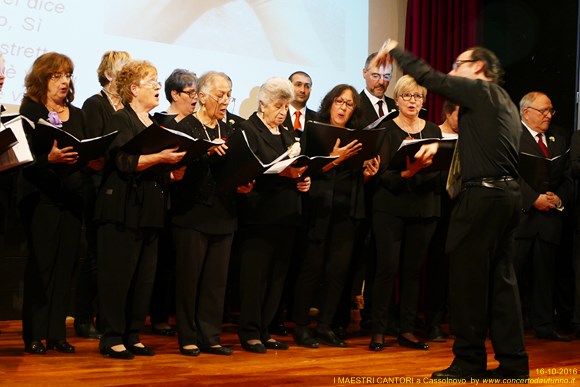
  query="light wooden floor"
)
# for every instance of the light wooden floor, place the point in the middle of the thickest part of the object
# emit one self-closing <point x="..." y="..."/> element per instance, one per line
<point x="295" y="367"/>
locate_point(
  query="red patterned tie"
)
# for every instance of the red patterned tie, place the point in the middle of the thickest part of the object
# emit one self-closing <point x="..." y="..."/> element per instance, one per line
<point x="543" y="146"/>
<point x="381" y="112"/>
<point x="297" y="124"/>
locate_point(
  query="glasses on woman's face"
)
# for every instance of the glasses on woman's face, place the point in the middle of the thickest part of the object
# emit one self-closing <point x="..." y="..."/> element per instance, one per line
<point x="154" y="84"/>
<point x="190" y="93"/>
<point x="225" y="99"/>
<point x="342" y="102"/>
<point x="59" y="76"/>
<point x="408" y="96"/>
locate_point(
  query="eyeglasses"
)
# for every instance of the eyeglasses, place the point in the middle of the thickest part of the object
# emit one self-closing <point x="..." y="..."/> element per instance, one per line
<point x="340" y="102"/>
<point x="376" y="76"/>
<point x="408" y="96"/>
<point x="223" y="99"/>
<point x="190" y="93"/>
<point x="544" y="112"/>
<point x="458" y="63"/>
<point x="59" y="76"/>
<point x="155" y="84"/>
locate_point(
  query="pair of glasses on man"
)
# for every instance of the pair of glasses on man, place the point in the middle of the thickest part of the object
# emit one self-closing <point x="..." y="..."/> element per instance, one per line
<point x="544" y="112"/>
<point x="385" y="77"/>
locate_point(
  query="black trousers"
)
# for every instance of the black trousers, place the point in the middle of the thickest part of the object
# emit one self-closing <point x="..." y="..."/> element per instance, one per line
<point x="53" y="233"/>
<point x="400" y="242"/>
<point x="126" y="271"/>
<point x="483" y="294"/>
<point x="534" y="264"/>
<point x="327" y="262"/>
<point x="266" y="251"/>
<point x="201" y="279"/>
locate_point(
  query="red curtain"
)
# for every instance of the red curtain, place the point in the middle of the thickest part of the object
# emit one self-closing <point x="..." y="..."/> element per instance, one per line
<point x="439" y="30"/>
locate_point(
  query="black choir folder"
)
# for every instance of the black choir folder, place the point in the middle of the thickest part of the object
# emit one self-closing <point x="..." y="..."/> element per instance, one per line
<point x="18" y="153"/>
<point x="541" y="173"/>
<point x="319" y="139"/>
<point x="7" y="139"/>
<point x="408" y="148"/>
<point x="242" y="165"/>
<point x="88" y="149"/>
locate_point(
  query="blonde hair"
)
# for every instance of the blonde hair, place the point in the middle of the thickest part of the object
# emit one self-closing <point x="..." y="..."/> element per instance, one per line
<point x="111" y="62"/>
<point x="407" y="83"/>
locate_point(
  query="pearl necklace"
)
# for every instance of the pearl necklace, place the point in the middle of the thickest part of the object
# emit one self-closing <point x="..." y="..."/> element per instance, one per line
<point x="219" y="130"/>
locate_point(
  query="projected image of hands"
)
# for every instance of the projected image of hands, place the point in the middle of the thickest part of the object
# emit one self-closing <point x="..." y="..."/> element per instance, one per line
<point x="307" y="33"/>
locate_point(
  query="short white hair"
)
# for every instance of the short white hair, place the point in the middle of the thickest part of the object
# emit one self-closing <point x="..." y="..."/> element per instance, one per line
<point x="274" y="89"/>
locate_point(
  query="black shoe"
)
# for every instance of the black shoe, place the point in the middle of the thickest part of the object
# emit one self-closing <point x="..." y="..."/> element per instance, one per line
<point x="162" y="331"/>
<point x="278" y="329"/>
<point x="500" y="375"/>
<point x="328" y="337"/>
<point x="377" y="343"/>
<point x="255" y="348"/>
<point x="276" y="345"/>
<point x="218" y="350"/>
<point x="141" y="351"/>
<point x="110" y="352"/>
<point x="436" y="335"/>
<point x="341" y="333"/>
<point x="303" y="337"/>
<point x="553" y="335"/>
<point x="60" y="346"/>
<point x="456" y="372"/>
<point x="35" y="348"/>
<point x="189" y="352"/>
<point x="404" y="342"/>
<point x="87" y="330"/>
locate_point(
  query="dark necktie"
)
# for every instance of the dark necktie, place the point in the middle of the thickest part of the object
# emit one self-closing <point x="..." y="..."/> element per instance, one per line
<point x="297" y="124"/>
<point x="381" y="112"/>
<point x="543" y="146"/>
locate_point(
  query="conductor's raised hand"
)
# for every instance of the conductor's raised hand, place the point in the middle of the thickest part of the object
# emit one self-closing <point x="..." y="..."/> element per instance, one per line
<point x="66" y="155"/>
<point x="171" y="155"/>
<point x="383" y="57"/>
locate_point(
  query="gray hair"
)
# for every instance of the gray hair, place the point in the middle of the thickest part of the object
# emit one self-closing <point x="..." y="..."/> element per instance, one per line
<point x="208" y="80"/>
<point x="274" y="89"/>
<point x="528" y="99"/>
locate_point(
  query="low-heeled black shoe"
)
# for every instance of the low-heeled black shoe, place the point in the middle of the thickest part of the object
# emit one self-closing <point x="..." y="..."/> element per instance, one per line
<point x="276" y="345"/>
<point x="404" y="342"/>
<point x="162" y="331"/>
<point x="303" y="337"/>
<point x="553" y="335"/>
<point x="456" y="372"/>
<point x="190" y="352"/>
<point x="123" y="355"/>
<point x="60" y="346"/>
<point x="86" y="330"/>
<point x="255" y="348"/>
<point x="35" y="348"/>
<point x="218" y="350"/>
<point x="377" y="343"/>
<point x="436" y="335"/>
<point x="328" y="337"/>
<point x="141" y="351"/>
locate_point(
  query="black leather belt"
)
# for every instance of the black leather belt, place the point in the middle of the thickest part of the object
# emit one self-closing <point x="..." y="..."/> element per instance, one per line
<point x="487" y="182"/>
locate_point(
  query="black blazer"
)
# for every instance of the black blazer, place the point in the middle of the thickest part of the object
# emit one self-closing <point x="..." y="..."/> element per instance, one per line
<point x="368" y="112"/>
<point x="274" y="200"/>
<point x="127" y="197"/>
<point x="548" y="225"/>
<point x="416" y="197"/>
<point x="311" y="115"/>
<point x="194" y="202"/>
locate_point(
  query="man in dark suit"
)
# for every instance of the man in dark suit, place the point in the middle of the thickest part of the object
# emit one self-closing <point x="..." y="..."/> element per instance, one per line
<point x="539" y="232"/>
<point x="374" y="102"/>
<point x="298" y="113"/>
